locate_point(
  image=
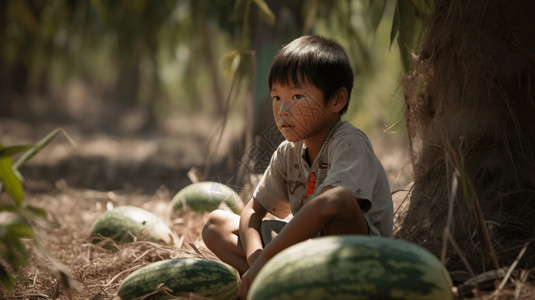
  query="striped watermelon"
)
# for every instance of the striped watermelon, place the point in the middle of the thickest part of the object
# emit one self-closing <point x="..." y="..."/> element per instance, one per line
<point x="202" y="277"/>
<point x="352" y="267"/>
<point x="206" y="196"/>
<point x="124" y="222"/>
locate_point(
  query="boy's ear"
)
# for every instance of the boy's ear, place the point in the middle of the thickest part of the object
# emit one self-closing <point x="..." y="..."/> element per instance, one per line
<point x="339" y="100"/>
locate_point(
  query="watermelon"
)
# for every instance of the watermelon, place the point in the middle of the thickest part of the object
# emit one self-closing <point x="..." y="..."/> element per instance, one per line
<point x="206" y="196"/>
<point x="352" y="267"/>
<point x="202" y="277"/>
<point x="124" y="222"/>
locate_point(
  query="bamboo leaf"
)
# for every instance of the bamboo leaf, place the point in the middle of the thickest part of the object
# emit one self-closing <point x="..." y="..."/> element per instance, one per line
<point x="407" y="32"/>
<point x="12" y="150"/>
<point x="31" y="153"/>
<point x="375" y="13"/>
<point x="9" y="208"/>
<point x="266" y="14"/>
<point x="6" y="279"/>
<point x="39" y="146"/>
<point x="32" y="212"/>
<point x="15" y="252"/>
<point x="395" y="25"/>
<point x="26" y="211"/>
<point x="423" y="7"/>
<point x="229" y="63"/>
<point x="19" y="227"/>
<point x="10" y="181"/>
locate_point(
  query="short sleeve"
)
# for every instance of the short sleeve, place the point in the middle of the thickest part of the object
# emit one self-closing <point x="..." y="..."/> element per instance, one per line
<point x="272" y="190"/>
<point x="352" y="165"/>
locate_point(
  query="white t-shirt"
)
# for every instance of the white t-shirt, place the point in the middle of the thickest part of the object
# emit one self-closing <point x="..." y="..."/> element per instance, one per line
<point x="345" y="159"/>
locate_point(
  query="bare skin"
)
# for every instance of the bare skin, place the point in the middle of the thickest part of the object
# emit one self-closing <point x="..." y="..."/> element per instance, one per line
<point x="302" y="114"/>
<point x="220" y="234"/>
<point x="335" y="211"/>
<point x="236" y="239"/>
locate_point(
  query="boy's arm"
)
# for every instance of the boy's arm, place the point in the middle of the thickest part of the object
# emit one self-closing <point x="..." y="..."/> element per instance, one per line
<point x="250" y="221"/>
<point x="311" y="219"/>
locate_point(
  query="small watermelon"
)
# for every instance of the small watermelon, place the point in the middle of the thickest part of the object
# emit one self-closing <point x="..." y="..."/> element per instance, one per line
<point x="202" y="277"/>
<point x="206" y="196"/>
<point x="352" y="267"/>
<point x="124" y="222"/>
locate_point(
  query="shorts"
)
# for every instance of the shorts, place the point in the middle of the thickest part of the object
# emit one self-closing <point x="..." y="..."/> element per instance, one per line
<point x="270" y="228"/>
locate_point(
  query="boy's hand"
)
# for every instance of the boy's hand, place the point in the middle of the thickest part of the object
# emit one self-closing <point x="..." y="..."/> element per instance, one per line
<point x="248" y="278"/>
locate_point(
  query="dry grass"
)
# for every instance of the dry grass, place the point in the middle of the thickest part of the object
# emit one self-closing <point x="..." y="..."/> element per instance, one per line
<point x="75" y="190"/>
<point x="72" y="267"/>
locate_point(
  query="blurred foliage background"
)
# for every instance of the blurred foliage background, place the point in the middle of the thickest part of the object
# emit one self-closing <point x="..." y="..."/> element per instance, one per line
<point x="127" y="67"/>
<point x="178" y="58"/>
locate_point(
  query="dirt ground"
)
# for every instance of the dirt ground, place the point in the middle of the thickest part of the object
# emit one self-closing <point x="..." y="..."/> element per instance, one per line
<point x="112" y="163"/>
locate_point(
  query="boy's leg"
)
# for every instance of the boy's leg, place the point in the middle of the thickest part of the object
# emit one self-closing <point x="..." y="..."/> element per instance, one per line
<point x="269" y="230"/>
<point x="346" y="217"/>
<point x="220" y="235"/>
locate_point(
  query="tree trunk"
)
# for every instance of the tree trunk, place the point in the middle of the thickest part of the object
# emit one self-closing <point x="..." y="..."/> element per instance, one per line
<point x="470" y="104"/>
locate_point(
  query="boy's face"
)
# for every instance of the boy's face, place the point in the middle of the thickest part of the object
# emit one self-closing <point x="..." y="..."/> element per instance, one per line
<point x="299" y="110"/>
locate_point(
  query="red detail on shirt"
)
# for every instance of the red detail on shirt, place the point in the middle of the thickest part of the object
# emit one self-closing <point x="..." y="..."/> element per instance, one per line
<point x="310" y="184"/>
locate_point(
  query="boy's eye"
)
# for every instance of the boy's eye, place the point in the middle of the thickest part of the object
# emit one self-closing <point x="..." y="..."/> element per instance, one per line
<point x="275" y="98"/>
<point x="297" y="97"/>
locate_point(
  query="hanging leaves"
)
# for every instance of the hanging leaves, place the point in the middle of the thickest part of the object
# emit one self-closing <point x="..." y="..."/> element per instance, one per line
<point x="408" y="26"/>
<point x="265" y="13"/>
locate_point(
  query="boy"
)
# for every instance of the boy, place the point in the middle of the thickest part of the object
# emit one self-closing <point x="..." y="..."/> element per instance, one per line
<point x="325" y="173"/>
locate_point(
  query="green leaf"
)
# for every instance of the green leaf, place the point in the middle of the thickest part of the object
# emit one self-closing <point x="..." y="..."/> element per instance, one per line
<point x="407" y="13"/>
<point x="18" y="227"/>
<point x="9" y="208"/>
<point x="12" y="150"/>
<point x="230" y="61"/>
<point x="266" y="14"/>
<point x="36" y="148"/>
<point x="375" y="13"/>
<point x="24" y="211"/>
<point x="408" y="26"/>
<point x="6" y="279"/>
<point x="395" y="25"/>
<point x="9" y="180"/>
<point x="423" y="7"/>
<point x="15" y="253"/>
<point x="32" y="212"/>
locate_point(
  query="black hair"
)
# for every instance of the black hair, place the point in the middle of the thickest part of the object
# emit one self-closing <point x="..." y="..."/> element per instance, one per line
<point x="316" y="59"/>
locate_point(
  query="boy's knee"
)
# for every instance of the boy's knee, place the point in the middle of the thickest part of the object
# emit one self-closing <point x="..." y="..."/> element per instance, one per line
<point x="217" y="218"/>
<point x="344" y="214"/>
<point x="214" y="224"/>
<point x="209" y="227"/>
<point x="342" y="203"/>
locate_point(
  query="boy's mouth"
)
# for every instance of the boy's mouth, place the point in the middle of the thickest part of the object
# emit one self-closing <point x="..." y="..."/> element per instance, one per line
<point x="286" y="126"/>
<point x="282" y="123"/>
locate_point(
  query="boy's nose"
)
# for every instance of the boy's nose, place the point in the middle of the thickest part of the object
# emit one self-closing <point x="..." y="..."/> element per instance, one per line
<point x="284" y="108"/>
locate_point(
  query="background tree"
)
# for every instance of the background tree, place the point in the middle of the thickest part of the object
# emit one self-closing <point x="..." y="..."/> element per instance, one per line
<point x="469" y="105"/>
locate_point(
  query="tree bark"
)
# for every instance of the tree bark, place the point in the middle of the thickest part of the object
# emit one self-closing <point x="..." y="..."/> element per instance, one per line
<point x="471" y="96"/>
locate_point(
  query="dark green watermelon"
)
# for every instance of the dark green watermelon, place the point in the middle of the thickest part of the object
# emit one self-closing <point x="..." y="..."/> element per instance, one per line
<point x="352" y="267"/>
<point x="202" y="277"/>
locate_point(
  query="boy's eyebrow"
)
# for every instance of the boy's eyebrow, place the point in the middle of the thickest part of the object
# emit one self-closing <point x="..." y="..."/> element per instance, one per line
<point x="293" y="87"/>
